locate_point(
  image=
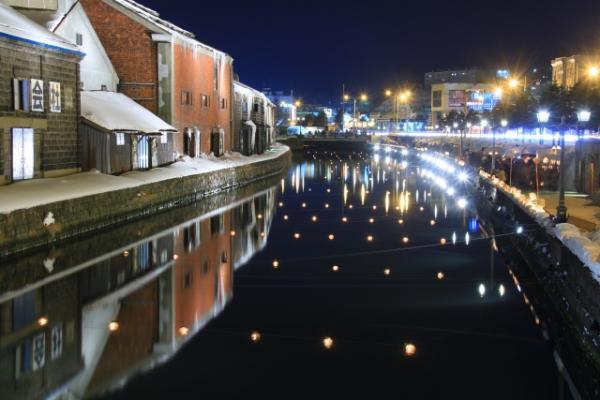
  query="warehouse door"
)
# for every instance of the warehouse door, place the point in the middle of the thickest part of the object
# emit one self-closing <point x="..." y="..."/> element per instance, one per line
<point x="22" y="154"/>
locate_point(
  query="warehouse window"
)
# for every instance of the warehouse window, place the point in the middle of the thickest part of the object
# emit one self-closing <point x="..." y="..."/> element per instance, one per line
<point x="205" y="101"/>
<point x="21" y="93"/>
<point x="186" y="98"/>
<point x="120" y="136"/>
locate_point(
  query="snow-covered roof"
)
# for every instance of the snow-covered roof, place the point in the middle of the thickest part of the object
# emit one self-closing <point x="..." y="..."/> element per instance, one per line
<point x="153" y="17"/>
<point x="117" y="112"/>
<point x="257" y="93"/>
<point x="16" y="26"/>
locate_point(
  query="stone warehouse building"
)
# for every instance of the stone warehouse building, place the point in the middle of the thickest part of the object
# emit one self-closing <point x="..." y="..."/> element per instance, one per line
<point x="39" y="100"/>
<point x="253" y="120"/>
<point x="165" y="69"/>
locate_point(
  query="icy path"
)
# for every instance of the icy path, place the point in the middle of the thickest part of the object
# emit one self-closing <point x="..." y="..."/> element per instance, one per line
<point x="36" y="192"/>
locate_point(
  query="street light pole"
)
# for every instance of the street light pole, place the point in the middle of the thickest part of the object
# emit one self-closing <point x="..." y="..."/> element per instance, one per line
<point x="561" y="209"/>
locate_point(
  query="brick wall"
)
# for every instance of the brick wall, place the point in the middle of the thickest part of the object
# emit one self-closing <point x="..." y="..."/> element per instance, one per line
<point x="56" y="141"/>
<point x="194" y="71"/>
<point x="131" y="50"/>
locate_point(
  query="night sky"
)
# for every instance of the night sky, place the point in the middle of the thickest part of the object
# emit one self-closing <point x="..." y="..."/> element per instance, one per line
<point x="313" y="47"/>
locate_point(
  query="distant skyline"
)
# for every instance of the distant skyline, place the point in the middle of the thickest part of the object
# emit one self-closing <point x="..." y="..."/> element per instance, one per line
<point x="312" y="47"/>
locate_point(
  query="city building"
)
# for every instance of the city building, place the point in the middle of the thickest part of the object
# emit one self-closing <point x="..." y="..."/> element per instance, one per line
<point x="468" y="75"/>
<point x="462" y="90"/>
<point x="461" y="97"/>
<point x="40" y="105"/>
<point x="253" y="120"/>
<point x="164" y="68"/>
<point x="568" y="71"/>
<point x="408" y="111"/>
<point x="286" y="111"/>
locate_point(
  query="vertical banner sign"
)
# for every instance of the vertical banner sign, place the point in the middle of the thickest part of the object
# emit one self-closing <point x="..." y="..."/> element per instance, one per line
<point x="39" y="352"/>
<point x="57" y="342"/>
<point x="55" y="97"/>
<point x="37" y="95"/>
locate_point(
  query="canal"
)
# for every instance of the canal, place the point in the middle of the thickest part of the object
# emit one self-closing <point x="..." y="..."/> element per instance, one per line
<point x="357" y="275"/>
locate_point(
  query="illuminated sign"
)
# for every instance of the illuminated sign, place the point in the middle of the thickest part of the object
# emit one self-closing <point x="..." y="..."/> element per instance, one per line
<point x="457" y="98"/>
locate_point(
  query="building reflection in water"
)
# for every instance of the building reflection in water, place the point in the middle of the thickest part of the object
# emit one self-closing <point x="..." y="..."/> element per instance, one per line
<point x="97" y="323"/>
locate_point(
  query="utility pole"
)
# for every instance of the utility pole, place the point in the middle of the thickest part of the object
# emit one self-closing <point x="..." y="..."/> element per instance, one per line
<point x="561" y="209"/>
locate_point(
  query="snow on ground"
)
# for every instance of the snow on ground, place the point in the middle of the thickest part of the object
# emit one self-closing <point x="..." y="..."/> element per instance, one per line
<point x="36" y="192"/>
<point x="586" y="246"/>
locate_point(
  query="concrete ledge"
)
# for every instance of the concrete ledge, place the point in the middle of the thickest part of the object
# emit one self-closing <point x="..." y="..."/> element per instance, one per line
<point x="23" y="229"/>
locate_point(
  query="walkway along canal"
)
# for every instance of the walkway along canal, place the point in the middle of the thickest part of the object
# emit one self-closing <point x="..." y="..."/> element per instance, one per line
<point x="87" y="202"/>
<point x="355" y="275"/>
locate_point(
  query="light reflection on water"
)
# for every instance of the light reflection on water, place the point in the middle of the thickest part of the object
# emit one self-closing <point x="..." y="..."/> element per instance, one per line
<point x="126" y="310"/>
<point x="362" y="275"/>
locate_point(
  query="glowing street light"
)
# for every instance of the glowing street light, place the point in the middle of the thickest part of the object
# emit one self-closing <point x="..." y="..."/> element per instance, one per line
<point x="388" y="93"/>
<point x="584" y="116"/>
<point x="513" y="83"/>
<point x="504" y="123"/>
<point x="543" y="116"/>
<point x="363" y="97"/>
<point x="593" y="72"/>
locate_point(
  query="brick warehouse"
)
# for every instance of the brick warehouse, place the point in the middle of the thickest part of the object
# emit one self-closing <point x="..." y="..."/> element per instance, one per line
<point x="39" y="101"/>
<point x="165" y="69"/>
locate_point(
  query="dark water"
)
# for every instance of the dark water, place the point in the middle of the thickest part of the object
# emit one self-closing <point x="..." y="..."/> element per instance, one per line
<point x="203" y="312"/>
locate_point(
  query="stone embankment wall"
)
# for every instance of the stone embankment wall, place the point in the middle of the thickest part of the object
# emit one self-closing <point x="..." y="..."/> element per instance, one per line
<point x="24" y="229"/>
<point x="569" y="291"/>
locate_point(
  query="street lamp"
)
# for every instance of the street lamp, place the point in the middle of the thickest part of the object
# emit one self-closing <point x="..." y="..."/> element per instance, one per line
<point x="561" y="209"/>
<point x="583" y="117"/>
<point x="543" y="116"/>
<point x="593" y="71"/>
<point x="484" y="124"/>
<point x="346" y="97"/>
<point x="498" y="92"/>
<point x="399" y="98"/>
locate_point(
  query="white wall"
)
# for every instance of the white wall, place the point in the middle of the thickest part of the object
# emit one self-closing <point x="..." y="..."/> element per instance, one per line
<point x="96" y="68"/>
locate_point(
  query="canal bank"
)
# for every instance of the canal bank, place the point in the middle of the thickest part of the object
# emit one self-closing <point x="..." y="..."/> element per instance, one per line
<point x="43" y="224"/>
<point x="558" y="264"/>
<point x="569" y="290"/>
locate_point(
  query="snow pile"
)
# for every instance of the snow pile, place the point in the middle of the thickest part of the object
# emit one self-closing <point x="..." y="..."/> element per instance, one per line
<point x="528" y="203"/>
<point x="17" y="26"/>
<point x="49" y="220"/>
<point x="586" y="249"/>
<point x="585" y="246"/>
<point x="36" y="192"/>
<point x="117" y="112"/>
